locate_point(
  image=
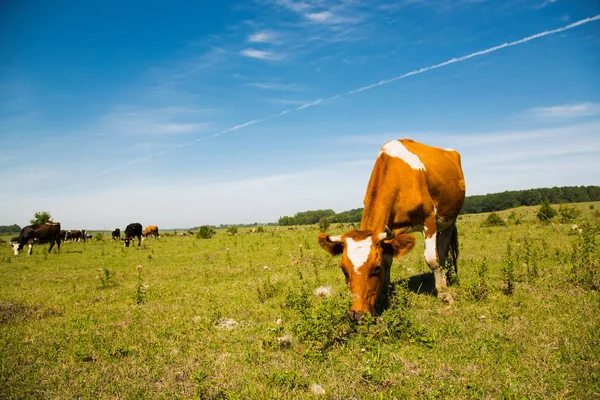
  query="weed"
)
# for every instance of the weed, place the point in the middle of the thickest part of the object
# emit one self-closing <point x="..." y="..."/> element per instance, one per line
<point x="140" y="289"/>
<point x="508" y="271"/>
<point x="479" y="289"/>
<point x="266" y="290"/>
<point x="286" y="379"/>
<point x="107" y="278"/>
<point x="585" y="261"/>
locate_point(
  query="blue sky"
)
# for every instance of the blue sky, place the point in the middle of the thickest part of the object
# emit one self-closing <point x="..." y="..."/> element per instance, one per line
<point x="180" y="114"/>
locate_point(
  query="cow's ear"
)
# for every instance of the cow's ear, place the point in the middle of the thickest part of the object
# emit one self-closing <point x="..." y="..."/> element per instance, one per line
<point x="334" y="245"/>
<point x="401" y="244"/>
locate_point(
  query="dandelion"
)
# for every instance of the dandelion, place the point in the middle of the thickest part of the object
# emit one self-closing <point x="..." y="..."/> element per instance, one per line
<point x="284" y="341"/>
<point x="323" y="291"/>
<point x="279" y="321"/>
<point x="266" y="267"/>
<point x="317" y="390"/>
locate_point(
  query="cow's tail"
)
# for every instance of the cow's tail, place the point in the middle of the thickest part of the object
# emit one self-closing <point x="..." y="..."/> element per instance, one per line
<point x="452" y="256"/>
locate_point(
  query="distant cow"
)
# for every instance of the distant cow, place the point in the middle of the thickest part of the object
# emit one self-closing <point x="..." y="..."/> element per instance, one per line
<point x="151" y="230"/>
<point x="63" y="235"/>
<point x="132" y="231"/>
<point x="76" y="235"/>
<point x="116" y="234"/>
<point x="39" y="233"/>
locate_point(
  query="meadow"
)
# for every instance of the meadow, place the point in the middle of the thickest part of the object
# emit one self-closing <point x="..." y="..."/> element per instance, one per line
<point x="239" y="317"/>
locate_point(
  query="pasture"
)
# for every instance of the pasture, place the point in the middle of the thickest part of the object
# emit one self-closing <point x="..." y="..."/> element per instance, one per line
<point x="237" y="317"/>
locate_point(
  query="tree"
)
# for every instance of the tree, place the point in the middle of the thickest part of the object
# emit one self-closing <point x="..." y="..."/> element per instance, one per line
<point x="41" y="217"/>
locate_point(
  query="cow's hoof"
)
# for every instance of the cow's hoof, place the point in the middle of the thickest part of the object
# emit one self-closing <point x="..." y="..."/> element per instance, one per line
<point x="445" y="296"/>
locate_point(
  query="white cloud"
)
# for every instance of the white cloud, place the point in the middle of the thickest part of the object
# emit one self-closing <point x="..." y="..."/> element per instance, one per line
<point x="282" y="87"/>
<point x="262" y="37"/>
<point x="261" y="54"/>
<point x="323" y="16"/>
<point x="566" y="111"/>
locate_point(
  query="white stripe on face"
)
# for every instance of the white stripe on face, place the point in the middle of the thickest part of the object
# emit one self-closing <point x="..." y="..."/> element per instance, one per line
<point x="397" y="149"/>
<point x="16" y="249"/>
<point x="358" y="251"/>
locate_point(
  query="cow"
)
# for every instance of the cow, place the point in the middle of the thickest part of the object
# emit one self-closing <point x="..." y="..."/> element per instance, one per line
<point x="116" y="234"/>
<point x="38" y="233"/>
<point x="63" y="235"/>
<point x="151" y="230"/>
<point x="413" y="187"/>
<point x="76" y="235"/>
<point x="132" y="231"/>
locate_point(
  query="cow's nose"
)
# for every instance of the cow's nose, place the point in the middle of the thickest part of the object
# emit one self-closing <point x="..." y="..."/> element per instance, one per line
<point x="355" y="315"/>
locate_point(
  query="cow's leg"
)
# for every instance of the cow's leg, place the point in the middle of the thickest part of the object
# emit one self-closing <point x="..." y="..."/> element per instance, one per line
<point x="30" y="251"/>
<point x="431" y="252"/>
<point x="444" y="243"/>
<point x="51" y="246"/>
<point x="139" y="241"/>
<point x="58" y="244"/>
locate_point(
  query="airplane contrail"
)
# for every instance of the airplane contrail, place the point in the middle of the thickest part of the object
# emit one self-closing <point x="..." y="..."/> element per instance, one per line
<point x="358" y="90"/>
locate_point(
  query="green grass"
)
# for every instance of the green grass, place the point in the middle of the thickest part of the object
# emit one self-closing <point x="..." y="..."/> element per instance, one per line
<point x="200" y="319"/>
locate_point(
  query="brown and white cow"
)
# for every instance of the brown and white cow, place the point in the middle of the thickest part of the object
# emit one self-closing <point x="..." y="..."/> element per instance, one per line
<point x="413" y="187"/>
<point x="38" y="233"/>
<point x="151" y="230"/>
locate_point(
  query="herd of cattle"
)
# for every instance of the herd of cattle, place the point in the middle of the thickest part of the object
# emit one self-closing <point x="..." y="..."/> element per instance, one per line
<point x="50" y="232"/>
<point x="413" y="188"/>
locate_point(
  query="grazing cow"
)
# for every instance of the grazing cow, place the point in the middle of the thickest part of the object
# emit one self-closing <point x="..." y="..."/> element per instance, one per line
<point x="132" y="231"/>
<point x="151" y="230"/>
<point x="413" y="187"/>
<point x="116" y="234"/>
<point x="38" y="233"/>
<point x="76" y="235"/>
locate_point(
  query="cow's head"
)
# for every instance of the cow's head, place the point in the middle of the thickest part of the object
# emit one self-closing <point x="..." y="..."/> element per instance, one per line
<point x="16" y="248"/>
<point x="126" y="241"/>
<point x="365" y="257"/>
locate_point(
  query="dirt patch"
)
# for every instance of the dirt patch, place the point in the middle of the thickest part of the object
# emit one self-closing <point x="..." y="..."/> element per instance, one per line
<point x="11" y="311"/>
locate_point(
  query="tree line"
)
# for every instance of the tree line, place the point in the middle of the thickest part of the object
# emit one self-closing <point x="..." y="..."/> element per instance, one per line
<point x="473" y="204"/>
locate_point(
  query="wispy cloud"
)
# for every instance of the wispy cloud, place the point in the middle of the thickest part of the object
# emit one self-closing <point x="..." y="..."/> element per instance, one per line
<point x="262" y="37"/>
<point x="262" y="54"/>
<point x="282" y="87"/>
<point x="566" y="111"/>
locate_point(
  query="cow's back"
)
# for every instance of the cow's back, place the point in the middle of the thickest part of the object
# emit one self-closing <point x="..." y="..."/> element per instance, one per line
<point x="443" y="176"/>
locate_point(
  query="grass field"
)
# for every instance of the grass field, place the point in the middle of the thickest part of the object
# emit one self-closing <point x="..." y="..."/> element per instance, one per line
<point x="237" y="317"/>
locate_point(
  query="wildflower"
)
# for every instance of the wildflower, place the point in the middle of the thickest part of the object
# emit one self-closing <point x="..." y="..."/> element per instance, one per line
<point x="284" y="341"/>
<point x="138" y="268"/>
<point x="317" y="390"/>
<point x="323" y="291"/>
<point x="279" y="321"/>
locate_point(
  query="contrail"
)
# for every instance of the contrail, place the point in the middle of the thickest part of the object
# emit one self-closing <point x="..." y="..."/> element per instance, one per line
<point x="354" y="91"/>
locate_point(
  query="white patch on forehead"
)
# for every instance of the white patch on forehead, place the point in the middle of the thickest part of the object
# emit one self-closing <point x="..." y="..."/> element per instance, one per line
<point x="358" y="251"/>
<point x="397" y="149"/>
<point x="16" y="249"/>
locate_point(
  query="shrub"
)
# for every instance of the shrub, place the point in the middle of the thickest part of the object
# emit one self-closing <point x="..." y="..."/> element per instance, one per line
<point x="585" y="261"/>
<point x="567" y="213"/>
<point x="493" y="220"/>
<point x="546" y="212"/>
<point x="324" y="224"/>
<point x="205" y="232"/>
<point x="232" y="230"/>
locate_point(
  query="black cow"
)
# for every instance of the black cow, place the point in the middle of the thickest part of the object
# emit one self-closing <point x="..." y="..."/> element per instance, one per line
<point x="132" y="231"/>
<point x="116" y="234"/>
<point x="76" y="235"/>
<point x="39" y="233"/>
<point x="63" y="235"/>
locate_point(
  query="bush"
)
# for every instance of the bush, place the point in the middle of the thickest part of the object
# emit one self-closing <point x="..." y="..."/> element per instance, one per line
<point x="205" y="232"/>
<point x="567" y="213"/>
<point x="493" y="220"/>
<point x="232" y="230"/>
<point x="324" y="224"/>
<point x="546" y="212"/>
